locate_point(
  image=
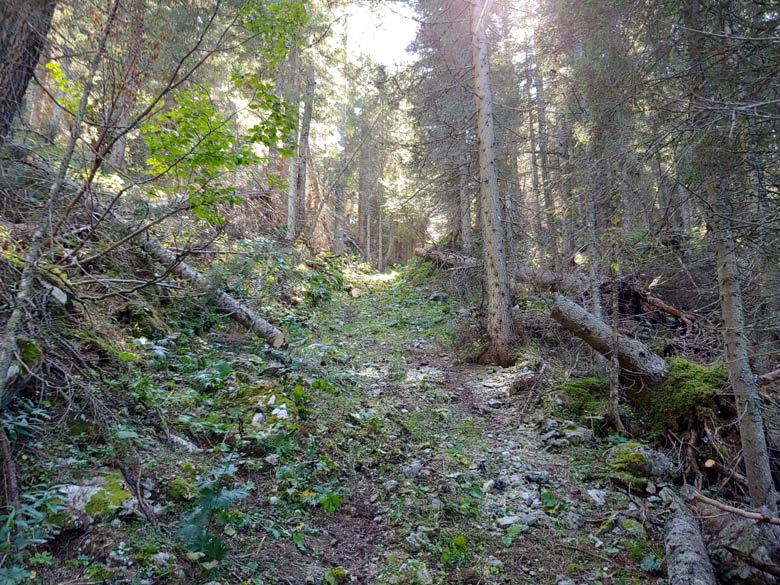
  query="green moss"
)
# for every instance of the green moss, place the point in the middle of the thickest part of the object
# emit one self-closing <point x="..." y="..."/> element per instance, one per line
<point x="585" y="396"/>
<point x="30" y="352"/>
<point x="110" y="497"/>
<point x="181" y="490"/>
<point x="687" y="393"/>
<point x="627" y="465"/>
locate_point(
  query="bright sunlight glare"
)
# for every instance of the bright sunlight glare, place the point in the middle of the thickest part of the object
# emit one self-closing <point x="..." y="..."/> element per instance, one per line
<point x="382" y="32"/>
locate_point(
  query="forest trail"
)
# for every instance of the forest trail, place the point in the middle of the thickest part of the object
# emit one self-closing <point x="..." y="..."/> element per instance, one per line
<point x="465" y="489"/>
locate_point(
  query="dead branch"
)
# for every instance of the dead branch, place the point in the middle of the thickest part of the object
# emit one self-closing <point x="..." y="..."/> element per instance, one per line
<point x="757" y="516"/>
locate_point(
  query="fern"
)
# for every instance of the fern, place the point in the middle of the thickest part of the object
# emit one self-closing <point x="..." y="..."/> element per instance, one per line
<point x="212" y="497"/>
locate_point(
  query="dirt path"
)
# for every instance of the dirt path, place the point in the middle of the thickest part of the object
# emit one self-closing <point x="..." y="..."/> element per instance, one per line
<point x="466" y="490"/>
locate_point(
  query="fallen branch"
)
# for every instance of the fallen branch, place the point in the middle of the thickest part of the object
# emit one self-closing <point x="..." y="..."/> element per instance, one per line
<point x="757" y="516"/>
<point x="687" y="561"/>
<point x="768" y="378"/>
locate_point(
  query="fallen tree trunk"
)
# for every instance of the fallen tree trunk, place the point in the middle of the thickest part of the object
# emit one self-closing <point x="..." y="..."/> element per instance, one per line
<point x="228" y="303"/>
<point x="687" y="561"/>
<point x="537" y="278"/>
<point x="635" y="358"/>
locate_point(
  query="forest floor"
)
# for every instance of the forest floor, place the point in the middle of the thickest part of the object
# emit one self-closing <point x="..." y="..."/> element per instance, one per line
<point x="366" y="453"/>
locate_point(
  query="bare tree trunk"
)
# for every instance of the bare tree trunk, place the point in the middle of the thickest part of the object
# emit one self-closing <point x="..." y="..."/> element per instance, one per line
<point x="339" y="227"/>
<point x="237" y="310"/>
<point x="499" y="319"/>
<point x="131" y="84"/>
<point x="541" y="237"/>
<point x="464" y="206"/>
<point x="24" y="26"/>
<point x="551" y="222"/>
<point x="303" y="157"/>
<point x="292" y="97"/>
<point x="714" y="161"/>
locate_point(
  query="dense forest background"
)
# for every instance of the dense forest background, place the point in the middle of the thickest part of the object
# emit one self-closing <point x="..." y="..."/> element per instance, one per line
<point x="595" y="186"/>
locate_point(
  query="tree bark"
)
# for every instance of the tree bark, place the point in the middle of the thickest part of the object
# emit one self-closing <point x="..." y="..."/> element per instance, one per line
<point x="236" y="309"/>
<point x="635" y="358"/>
<point x="24" y="26"/>
<point x="499" y="319"/>
<point x="714" y="160"/>
<point x="687" y="561"/>
<point x="299" y="212"/>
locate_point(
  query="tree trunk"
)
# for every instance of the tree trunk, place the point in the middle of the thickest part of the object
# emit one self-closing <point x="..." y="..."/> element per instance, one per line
<point x="714" y="161"/>
<point x="292" y="97"/>
<point x="24" y="26"/>
<point x="339" y="222"/>
<point x="636" y="359"/>
<point x="132" y="69"/>
<point x="236" y="309"/>
<point x="687" y="561"/>
<point x="464" y="206"/>
<point x="303" y="157"/>
<point x="499" y="319"/>
<point x="550" y="220"/>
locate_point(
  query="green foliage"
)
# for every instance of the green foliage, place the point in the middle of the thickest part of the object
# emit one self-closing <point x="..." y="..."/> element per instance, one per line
<point x="194" y="146"/>
<point x="513" y="531"/>
<point x="24" y="527"/>
<point x="213" y="500"/>
<point x="24" y="422"/>
<point x="456" y="552"/>
<point x="687" y="394"/>
<point x="277" y="23"/>
<point x="70" y="90"/>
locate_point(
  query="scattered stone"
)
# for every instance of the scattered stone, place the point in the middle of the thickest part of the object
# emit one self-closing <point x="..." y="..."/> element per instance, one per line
<point x="488" y="486"/>
<point x="437" y="296"/>
<point x="390" y="485"/>
<point x="258" y="420"/>
<point x="314" y="574"/>
<point x="183" y="444"/>
<point x="495" y="403"/>
<point x="436" y="504"/>
<point x="273" y="368"/>
<point x="507" y="521"/>
<point x="635" y="464"/>
<point x="416" y="570"/>
<point x="413" y="469"/>
<point x="274" y="500"/>
<point x="532" y="518"/>
<point x="549" y="424"/>
<point x="599" y="497"/>
<point x="550" y="435"/>
<point x="572" y="520"/>
<point x="162" y="559"/>
<point x="98" y="498"/>
<point x="416" y="542"/>
<point x="578" y="436"/>
<point x="272" y="459"/>
<point x="566" y="582"/>
<point x="559" y="443"/>
<point x="523" y="382"/>
<point x="540" y="477"/>
<point x="634" y="528"/>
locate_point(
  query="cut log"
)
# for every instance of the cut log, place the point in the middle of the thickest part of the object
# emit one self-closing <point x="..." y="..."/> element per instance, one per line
<point x="228" y="303"/>
<point x="635" y="358"/>
<point x="687" y="561"/>
<point x="768" y="378"/>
